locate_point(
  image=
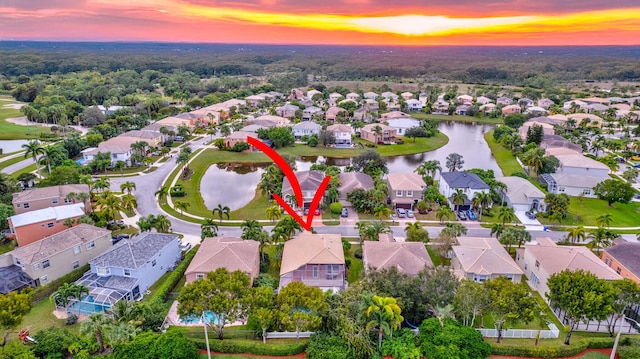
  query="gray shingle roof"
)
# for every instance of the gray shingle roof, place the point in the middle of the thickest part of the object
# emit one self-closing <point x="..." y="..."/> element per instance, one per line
<point x="627" y="254"/>
<point x="464" y="180"/>
<point x="134" y="253"/>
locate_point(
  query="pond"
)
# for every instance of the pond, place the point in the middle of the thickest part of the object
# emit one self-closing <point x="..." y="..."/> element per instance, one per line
<point x="234" y="185"/>
<point x="9" y="146"/>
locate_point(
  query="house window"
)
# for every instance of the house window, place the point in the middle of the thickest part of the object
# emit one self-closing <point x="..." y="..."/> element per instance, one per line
<point x="26" y="205"/>
<point x="44" y="279"/>
<point x="91" y="245"/>
<point x="50" y="225"/>
<point x="127" y="272"/>
<point x="332" y="271"/>
<point x="153" y="263"/>
<point x="199" y="276"/>
<point x="104" y="271"/>
<point x="75" y="264"/>
<point x="409" y="193"/>
<point x="398" y="193"/>
<point x="586" y="191"/>
<point x="18" y="205"/>
<point x="561" y="189"/>
<point x="316" y="271"/>
<point x="67" y="200"/>
<point x="518" y="256"/>
<point x="46" y="264"/>
<point x="36" y="266"/>
<point x="534" y="280"/>
<point x="618" y="270"/>
<point x="537" y="265"/>
<point x="54" y="201"/>
<point x="76" y="249"/>
<point x="480" y="278"/>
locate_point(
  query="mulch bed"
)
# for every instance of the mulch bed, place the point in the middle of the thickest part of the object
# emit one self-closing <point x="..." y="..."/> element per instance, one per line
<point x="603" y="351"/>
<point x="299" y="356"/>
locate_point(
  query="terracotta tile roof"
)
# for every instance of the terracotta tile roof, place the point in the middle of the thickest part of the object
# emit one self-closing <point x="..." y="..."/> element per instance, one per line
<point x="627" y="254"/>
<point x="34" y="194"/>
<point x="406" y="257"/>
<point x="225" y="252"/>
<point x="405" y="181"/>
<point x="484" y="256"/>
<point x="310" y="248"/>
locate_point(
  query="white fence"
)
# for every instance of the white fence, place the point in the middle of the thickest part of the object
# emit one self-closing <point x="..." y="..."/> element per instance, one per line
<point x="288" y="335"/>
<point x="552" y="332"/>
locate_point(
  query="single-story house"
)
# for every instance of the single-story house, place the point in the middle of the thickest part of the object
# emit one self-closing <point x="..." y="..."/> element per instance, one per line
<point x="571" y="184"/>
<point x="521" y="194"/>
<point x="545" y="103"/>
<point x="225" y="252"/>
<point x="405" y="189"/>
<point x="33" y="226"/>
<point x="481" y="259"/>
<point x="44" y="197"/>
<point x="153" y="138"/>
<point x="462" y="109"/>
<point x="407" y="257"/>
<point x="317" y="260"/>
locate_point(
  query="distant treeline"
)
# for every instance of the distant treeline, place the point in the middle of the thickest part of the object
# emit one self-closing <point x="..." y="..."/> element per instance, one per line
<point x="292" y="64"/>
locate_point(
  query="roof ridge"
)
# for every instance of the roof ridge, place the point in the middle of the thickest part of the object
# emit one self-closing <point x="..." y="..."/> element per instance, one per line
<point x="393" y="254"/>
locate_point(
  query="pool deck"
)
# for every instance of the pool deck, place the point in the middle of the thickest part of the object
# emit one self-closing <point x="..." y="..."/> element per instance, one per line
<point x="174" y="319"/>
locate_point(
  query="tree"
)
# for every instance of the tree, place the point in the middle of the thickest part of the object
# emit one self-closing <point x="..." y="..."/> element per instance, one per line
<point x="416" y="233"/>
<point x="581" y="296"/>
<point x="96" y="326"/>
<point x="449" y="339"/>
<point x="371" y="163"/>
<point x="481" y="200"/>
<point x="630" y="174"/>
<point x="224" y="294"/>
<point x="506" y="215"/>
<point x="182" y="206"/>
<point x="221" y="211"/>
<point x="384" y="316"/>
<point x="626" y="296"/>
<point x="600" y="238"/>
<point x="471" y="301"/>
<point x="208" y="229"/>
<point x="533" y="159"/>
<point x="128" y="187"/>
<point x="514" y="235"/>
<point x="13" y="306"/>
<point x="109" y="205"/>
<point x="509" y="302"/>
<point x="428" y="168"/>
<point x="497" y="229"/>
<point x="285" y="228"/>
<point x="129" y="202"/>
<point x="92" y="116"/>
<point x="382" y="212"/>
<point x="612" y="191"/>
<point x="369" y="231"/>
<point x="557" y="203"/>
<point x="33" y="149"/>
<point x="604" y="220"/>
<point x="459" y="198"/>
<point x="273" y="213"/>
<point x="417" y="131"/>
<point x="300" y="307"/>
<point x="162" y="223"/>
<point x="454" y="162"/>
<point x="576" y="234"/>
<point x="162" y="194"/>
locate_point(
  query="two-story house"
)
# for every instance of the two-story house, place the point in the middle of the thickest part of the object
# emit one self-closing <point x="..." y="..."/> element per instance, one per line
<point x="127" y="270"/>
<point x="402" y="124"/>
<point x="44" y="197"/>
<point x="240" y="136"/>
<point x="342" y="134"/>
<point x="311" y="113"/>
<point x="378" y="133"/>
<point x="119" y="147"/>
<point x="577" y="174"/>
<point x="414" y="105"/>
<point x="56" y="255"/>
<point x="287" y="110"/>
<point x="306" y="128"/>
<point x="225" y="252"/>
<point x="405" y="189"/>
<point x="468" y="182"/>
<point x="309" y="182"/>
<point x="622" y="257"/>
<point x="336" y="113"/>
<point x="317" y="260"/>
<point x="33" y="226"/>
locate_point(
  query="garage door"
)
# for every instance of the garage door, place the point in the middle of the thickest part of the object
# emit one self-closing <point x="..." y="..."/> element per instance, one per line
<point x="403" y="205"/>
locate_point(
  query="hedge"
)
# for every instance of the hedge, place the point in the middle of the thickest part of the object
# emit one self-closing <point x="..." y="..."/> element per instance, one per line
<point x="239" y="346"/>
<point x="43" y="292"/>
<point x="165" y="288"/>
<point x="575" y="348"/>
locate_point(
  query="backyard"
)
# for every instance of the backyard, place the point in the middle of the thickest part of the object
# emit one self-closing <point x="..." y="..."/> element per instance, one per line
<point x="584" y="211"/>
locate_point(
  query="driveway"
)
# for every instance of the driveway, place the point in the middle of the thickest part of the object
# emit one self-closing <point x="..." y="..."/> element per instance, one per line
<point x="528" y="223"/>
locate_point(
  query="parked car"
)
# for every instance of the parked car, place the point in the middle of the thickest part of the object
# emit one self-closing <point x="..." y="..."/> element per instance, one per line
<point x="409" y="213"/>
<point x="530" y="215"/>
<point x="118" y="237"/>
<point x="185" y="246"/>
<point x="344" y="213"/>
<point x="637" y="165"/>
<point x="401" y="213"/>
<point x="462" y="216"/>
<point x="471" y="214"/>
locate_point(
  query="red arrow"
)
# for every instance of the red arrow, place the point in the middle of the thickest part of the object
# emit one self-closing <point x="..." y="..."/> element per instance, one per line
<point x="295" y="185"/>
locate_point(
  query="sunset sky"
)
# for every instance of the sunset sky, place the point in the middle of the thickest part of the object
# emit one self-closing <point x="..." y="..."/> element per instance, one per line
<point x="367" y="22"/>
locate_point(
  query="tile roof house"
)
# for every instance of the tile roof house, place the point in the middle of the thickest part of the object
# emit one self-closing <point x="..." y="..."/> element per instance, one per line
<point x="521" y="194"/>
<point x="370" y="95"/>
<point x="403" y="124"/>
<point x="342" y="134"/>
<point x="240" y="136"/>
<point x="363" y="114"/>
<point x="119" y="147"/>
<point x="405" y="189"/>
<point x="414" y="105"/>
<point x="56" y="255"/>
<point x="43" y="197"/>
<point x="577" y="174"/>
<point x="309" y="113"/>
<point x="225" y="252"/>
<point x="350" y="181"/>
<point x="306" y="128"/>
<point x="484" y="100"/>
<point x="511" y="109"/>
<point x="33" y="226"/>
<point x="541" y="259"/>
<point x="623" y="258"/>
<point x="353" y="96"/>
<point x="407" y="257"/>
<point x="503" y="101"/>
<point x="309" y="183"/>
<point x="393" y="114"/>
<point x="287" y="110"/>
<point x="468" y="182"/>
<point x="335" y="113"/>
<point x="480" y="259"/>
<point x="387" y="135"/>
<point x="128" y="269"/>
<point x="316" y="260"/>
<point x="153" y="138"/>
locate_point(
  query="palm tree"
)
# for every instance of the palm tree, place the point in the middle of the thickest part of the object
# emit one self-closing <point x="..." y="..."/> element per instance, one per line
<point x="287" y="227"/>
<point x="121" y="333"/>
<point x="110" y="205"/>
<point x="533" y="159"/>
<point x="209" y="228"/>
<point x="506" y="215"/>
<point x="48" y="155"/>
<point x="384" y="314"/>
<point x="481" y="200"/>
<point x="128" y="186"/>
<point x="129" y="202"/>
<point x="497" y="229"/>
<point x="102" y="184"/>
<point x="577" y="234"/>
<point x="96" y="325"/>
<point x="459" y="198"/>
<point x="119" y="166"/>
<point x="62" y="296"/>
<point x="378" y="131"/>
<point x="382" y="212"/>
<point x="162" y="223"/>
<point x="443" y="212"/>
<point x="33" y="149"/>
<point x="273" y="213"/>
<point x="182" y="206"/>
<point x="429" y="168"/>
<point x="604" y="220"/>
<point x="162" y="194"/>
<point x="600" y="238"/>
<point x="221" y="211"/>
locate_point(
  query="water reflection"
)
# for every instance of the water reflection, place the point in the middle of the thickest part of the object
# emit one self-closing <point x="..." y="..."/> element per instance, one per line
<point x="231" y="185"/>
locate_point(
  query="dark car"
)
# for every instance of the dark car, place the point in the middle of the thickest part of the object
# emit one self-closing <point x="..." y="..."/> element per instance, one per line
<point x="637" y="165"/>
<point x="118" y="237"/>
<point x="344" y="213"/>
<point x="462" y="216"/>
<point x="530" y="215"/>
<point x="471" y="214"/>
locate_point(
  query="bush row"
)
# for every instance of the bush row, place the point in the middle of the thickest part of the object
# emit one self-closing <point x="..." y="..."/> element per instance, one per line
<point x="577" y="347"/>
<point x="237" y="346"/>
<point x="165" y="288"/>
<point x="43" y="292"/>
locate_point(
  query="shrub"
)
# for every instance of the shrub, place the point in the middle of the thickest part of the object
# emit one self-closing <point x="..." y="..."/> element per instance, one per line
<point x="313" y="142"/>
<point x="575" y="348"/>
<point x="402" y="345"/>
<point x="265" y="262"/>
<point x="233" y="346"/>
<point x="358" y="253"/>
<point x="265" y="280"/>
<point x="629" y="352"/>
<point x="165" y="288"/>
<point x="335" y="207"/>
<point x="326" y="346"/>
<point x="177" y="191"/>
<point x="71" y="319"/>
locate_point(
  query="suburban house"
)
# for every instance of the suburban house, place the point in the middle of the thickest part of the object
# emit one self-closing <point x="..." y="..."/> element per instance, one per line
<point x="423" y="97"/>
<point x="406" y="189"/>
<point x="240" y="136"/>
<point x="557" y="141"/>
<point x="402" y="124"/>
<point x="33" y="226"/>
<point x="393" y="114"/>
<point x="252" y="128"/>
<point x="350" y="181"/>
<point x="407" y="95"/>
<point x="414" y="105"/>
<point x="577" y="174"/>
<point x="462" y="109"/>
<point x="12" y="277"/>
<point x="505" y="101"/>
<point x="547" y="129"/>
<point x="153" y="138"/>
<point x="575" y="104"/>
<point x="353" y="96"/>
<point x="591" y="119"/>
<point x="370" y="95"/>
<point x="334" y="97"/>
<point x="521" y="194"/>
<point x="342" y="134"/>
<point x="536" y="110"/>
<point x="255" y="100"/>
<point x="119" y="147"/>
<point x="388" y="95"/>
<point x="309" y="183"/>
<point x="468" y="182"/>
<point x="309" y="113"/>
<point x="542" y="259"/>
<point x="387" y="134"/>
<point x="407" y="257"/>
<point x="317" y="260"/>
<point x="56" y="255"/>
<point x="525" y="102"/>
<point x="175" y="122"/>
<point x="481" y="259"/>
<point x="312" y="93"/>
<point x="483" y="100"/>
<point x="488" y="108"/>
<point x="545" y="103"/>
<point x="440" y="107"/>
<point x="622" y="257"/>
<point x="371" y="104"/>
<point x="270" y="121"/>
<point x="306" y="128"/>
<point x="44" y="197"/>
<point x="465" y="99"/>
<point x="511" y="109"/>
<point x="225" y="252"/>
<point x="363" y="114"/>
<point x="335" y="113"/>
<point x="127" y="270"/>
<point x="287" y="111"/>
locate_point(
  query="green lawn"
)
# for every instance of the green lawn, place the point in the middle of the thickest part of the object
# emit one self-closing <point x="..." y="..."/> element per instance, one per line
<point x="7" y="247"/>
<point x="10" y="131"/>
<point x="41" y="317"/>
<point x="458" y="118"/>
<point x="506" y="160"/>
<point x="584" y="211"/>
<point x="30" y="168"/>
<point x="356" y="268"/>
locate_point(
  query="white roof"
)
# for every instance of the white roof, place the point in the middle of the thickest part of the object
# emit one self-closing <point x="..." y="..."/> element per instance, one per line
<point x="52" y="213"/>
<point x="403" y="122"/>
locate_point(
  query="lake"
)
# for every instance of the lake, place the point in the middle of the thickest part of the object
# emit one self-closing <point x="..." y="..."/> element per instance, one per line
<point x="9" y="146"/>
<point x="234" y="185"/>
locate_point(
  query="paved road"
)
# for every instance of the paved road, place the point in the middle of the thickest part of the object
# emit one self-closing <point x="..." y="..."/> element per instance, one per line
<point x="18" y="166"/>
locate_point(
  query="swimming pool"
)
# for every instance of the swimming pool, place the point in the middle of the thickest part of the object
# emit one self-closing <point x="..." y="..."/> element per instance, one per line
<point x="197" y="319"/>
<point x="87" y="306"/>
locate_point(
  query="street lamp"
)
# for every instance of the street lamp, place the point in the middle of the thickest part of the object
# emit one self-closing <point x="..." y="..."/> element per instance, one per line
<point x="206" y="335"/>
<point x="615" y="343"/>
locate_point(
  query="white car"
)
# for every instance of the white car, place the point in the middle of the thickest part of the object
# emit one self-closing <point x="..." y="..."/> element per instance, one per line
<point x="185" y="246"/>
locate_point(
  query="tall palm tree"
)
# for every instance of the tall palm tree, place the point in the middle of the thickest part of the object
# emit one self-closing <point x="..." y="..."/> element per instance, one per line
<point x="600" y="238"/>
<point x="577" y="234"/>
<point x="34" y="149"/>
<point x="162" y="194"/>
<point x="533" y="159"/>
<point x="128" y="187"/>
<point x="129" y="202"/>
<point x="382" y="212"/>
<point x="429" y="168"/>
<point x="497" y="229"/>
<point x="182" y="206"/>
<point x="443" y="212"/>
<point x="209" y="228"/>
<point x="109" y="204"/>
<point x="506" y="215"/>
<point x="378" y="131"/>
<point x="49" y="154"/>
<point x="459" y="198"/>
<point x="96" y="325"/>
<point x="250" y="228"/>
<point x="287" y="227"/>
<point x="101" y="184"/>
<point x="162" y="223"/>
<point x="273" y="213"/>
<point x="481" y="200"/>
<point x="119" y="166"/>
<point x="384" y="316"/>
<point x="221" y="211"/>
<point x="604" y="220"/>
